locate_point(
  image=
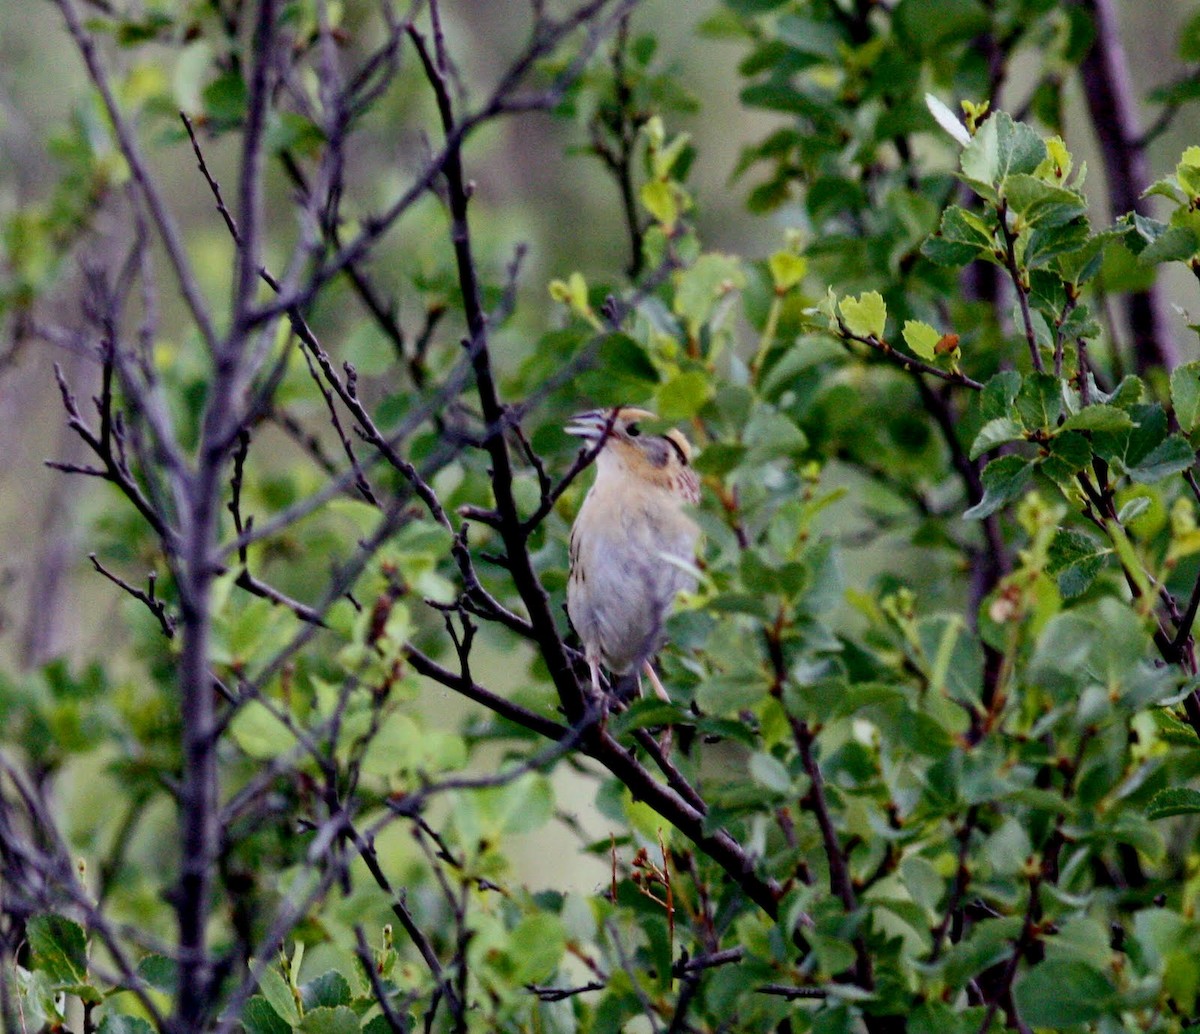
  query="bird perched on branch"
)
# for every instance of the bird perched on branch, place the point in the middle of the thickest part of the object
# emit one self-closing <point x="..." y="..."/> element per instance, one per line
<point x="632" y="543"/>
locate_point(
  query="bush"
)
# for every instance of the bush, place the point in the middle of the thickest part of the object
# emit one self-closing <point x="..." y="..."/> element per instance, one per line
<point x="934" y="705"/>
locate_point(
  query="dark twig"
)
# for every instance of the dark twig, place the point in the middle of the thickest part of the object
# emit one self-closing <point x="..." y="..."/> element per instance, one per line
<point x="156" y="606"/>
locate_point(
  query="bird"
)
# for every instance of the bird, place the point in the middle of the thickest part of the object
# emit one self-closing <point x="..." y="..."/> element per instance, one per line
<point x="632" y="543"/>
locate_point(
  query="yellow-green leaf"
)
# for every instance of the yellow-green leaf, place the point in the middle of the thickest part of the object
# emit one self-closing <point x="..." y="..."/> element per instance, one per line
<point x="866" y="315"/>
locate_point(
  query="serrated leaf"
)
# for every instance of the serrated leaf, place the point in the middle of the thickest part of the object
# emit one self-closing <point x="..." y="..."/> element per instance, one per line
<point x="1061" y="993"/>
<point x="259" y="1018"/>
<point x="325" y="1020"/>
<point x="1076" y="559"/>
<point x="1172" y="456"/>
<point x="59" y="948"/>
<point x="1185" y="395"/>
<point x="1002" y="148"/>
<point x="922" y="339"/>
<point x="278" y="993"/>
<point x="329" y="989"/>
<point x="1004" y="479"/>
<point x="1069" y="453"/>
<point x="1175" y="244"/>
<point x="996" y="432"/>
<point x="866" y="315"/>
<point x="1040" y="400"/>
<point x="1174" y="800"/>
<point x="122" y="1023"/>
<point x="1098" y="418"/>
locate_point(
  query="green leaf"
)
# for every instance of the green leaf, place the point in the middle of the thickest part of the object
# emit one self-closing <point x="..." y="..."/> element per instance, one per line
<point x="699" y="288"/>
<point x="1004" y="479"/>
<point x="767" y="770"/>
<point x="1185" y="395"/>
<point x="537" y="945"/>
<point x="1040" y="400"/>
<point x="59" y="948"/>
<point x="787" y="269"/>
<point x="1076" y="559"/>
<point x="121" y="1023"/>
<point x="329" y="989"/>
<point x="1042" y="204"/>
<point x="325" y="1020"/>
<point x="922" y="339"/>
<point x="1172" y="456"/>
<point x="866" y="315"/>
<point x="659" y="198"/>
<point x="225" y="100"/>
<point x="1070" y="452"/>
<point x="996" y="432"/>
<point x="259" y="733"/>
<point x="278" y="992"/>
<point x="1174" y="800"/>
<point x="159" y="972"/>
<point x="1002" y="148"/>
<point x="684" y="395"/>
<point x="259" y="1018"/>
<point x="1176" y="244"/>
<point x="1098" y="418"/>
<point x="1061" y="993"/>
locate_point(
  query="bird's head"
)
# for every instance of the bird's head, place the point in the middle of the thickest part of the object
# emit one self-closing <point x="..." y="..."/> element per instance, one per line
<point x="630" y="449"/>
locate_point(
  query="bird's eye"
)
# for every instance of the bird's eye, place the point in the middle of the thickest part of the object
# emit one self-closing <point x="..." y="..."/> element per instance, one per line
<point x="633" y="430"/>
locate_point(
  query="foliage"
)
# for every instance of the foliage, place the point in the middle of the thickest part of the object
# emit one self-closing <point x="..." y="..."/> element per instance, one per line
<point x="930" y="758"/>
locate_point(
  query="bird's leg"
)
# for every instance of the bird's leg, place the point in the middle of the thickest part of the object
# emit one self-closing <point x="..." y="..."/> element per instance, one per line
<point x="659" y="691"/>
<point x="594" y="668"/>
<point x="664" y="741"/>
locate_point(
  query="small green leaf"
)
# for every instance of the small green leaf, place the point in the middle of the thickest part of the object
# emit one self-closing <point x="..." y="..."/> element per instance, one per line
<point x="325" y="1020"/>
<point x="1002" y="148"/>
<point x="866" y="315"/>
<point x="1004" y="479"/>
<point x="684" y="395"/>
<point x="121" y="1023"/>
<point x="1098" y="418"/>
<point x="159" y="972"/>
<point x="1176" y="244"/>
<point x="278" y="992"/>
<point x="1040" y="400"/>
<point x="1076" y="559"/>
<point x="59" y="948"/>
<point x="787" y="269"/>
<point x="329" y="989"/>
<point x="1174" y="800"/>
<point x="769" y="771"/>
<point x="996" y="432"/>
<point x="259" y="1018"/>
<point x="1185" y="395"/>
<point x="922" y="339"/>
<point x="1173" y="456"/>
<point x="537" y="945"/>
<point x="1070" y="452"/>
<point x="700" y="288"/>
<point x="1061" y="993"/>
<point x="659" y="198"/>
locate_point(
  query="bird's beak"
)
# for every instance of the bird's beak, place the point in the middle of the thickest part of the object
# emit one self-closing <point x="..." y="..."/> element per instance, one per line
<point x="591" y="425"/>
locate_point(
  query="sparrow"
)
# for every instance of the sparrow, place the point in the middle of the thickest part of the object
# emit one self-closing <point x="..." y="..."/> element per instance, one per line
<point x="632" y="542"/>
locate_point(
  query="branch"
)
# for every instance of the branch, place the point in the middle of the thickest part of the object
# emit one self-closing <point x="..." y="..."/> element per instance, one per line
<point x="156" y="606"/>
<point x="1112" y="104"/>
